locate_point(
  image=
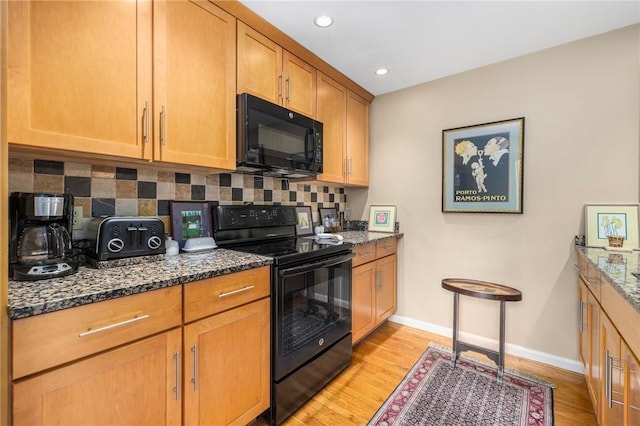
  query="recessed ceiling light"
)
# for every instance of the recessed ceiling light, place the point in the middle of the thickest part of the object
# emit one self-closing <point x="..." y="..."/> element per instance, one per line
<point x="323" y="21"/>
<point x="382" y="71"/>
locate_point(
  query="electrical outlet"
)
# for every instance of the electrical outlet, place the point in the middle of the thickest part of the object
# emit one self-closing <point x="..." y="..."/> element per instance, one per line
<point x="77" y="218"/>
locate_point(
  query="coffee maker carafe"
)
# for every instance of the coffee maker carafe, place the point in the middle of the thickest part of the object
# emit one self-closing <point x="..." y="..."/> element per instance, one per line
<point x="40" y="244"/>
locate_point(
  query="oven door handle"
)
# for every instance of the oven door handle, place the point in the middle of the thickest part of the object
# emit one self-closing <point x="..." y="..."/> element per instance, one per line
<point x="317" y="265"/>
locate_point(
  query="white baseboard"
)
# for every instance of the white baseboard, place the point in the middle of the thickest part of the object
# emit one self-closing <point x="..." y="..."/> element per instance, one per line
<point x="533" y="355"/>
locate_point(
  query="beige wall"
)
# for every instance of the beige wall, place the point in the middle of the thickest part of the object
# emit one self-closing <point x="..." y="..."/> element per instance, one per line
<point x="581" y="103"/>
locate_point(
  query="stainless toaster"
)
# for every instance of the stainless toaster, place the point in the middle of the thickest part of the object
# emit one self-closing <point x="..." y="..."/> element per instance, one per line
<point x="117" y="237"/>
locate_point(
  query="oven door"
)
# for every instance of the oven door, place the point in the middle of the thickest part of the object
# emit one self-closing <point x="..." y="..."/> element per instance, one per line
<point x="311" y="311"/>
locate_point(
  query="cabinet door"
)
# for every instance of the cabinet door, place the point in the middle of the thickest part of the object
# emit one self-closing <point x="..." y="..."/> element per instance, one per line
<point x="227" y="377"/>
<point x="332" y="104"/>
<point x="194" y="84"/>
<point x="594" y="371"/>
<point x="613" y="375"/>
<point x="363" y="318"/>
<point x="138" y="381"/>
<point x="299" y="85"/>
<point x="357" y="141"/>
<point x="385" y="288"/>
<point x="583" y="317"/>
<point x="259" y="65"/>
<point x="79" y="76"/>
<point x="632" y="387"/>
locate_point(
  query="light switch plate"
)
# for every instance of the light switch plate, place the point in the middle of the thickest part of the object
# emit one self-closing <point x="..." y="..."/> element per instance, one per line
<point x="77" y="218"/>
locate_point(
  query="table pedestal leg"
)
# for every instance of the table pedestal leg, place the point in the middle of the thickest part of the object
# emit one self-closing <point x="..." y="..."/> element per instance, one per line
<point x="501" y="350"/>
<point x="454" y="355"/>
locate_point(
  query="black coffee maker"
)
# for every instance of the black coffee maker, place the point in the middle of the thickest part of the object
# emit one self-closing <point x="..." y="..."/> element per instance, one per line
<point x="40" y="242"/>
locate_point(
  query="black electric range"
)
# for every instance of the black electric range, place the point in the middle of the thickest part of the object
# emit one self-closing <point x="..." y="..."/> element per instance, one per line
<point x="269" y="231"/>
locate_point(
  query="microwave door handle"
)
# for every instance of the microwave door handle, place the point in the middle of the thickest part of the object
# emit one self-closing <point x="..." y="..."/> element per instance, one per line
<point x="298" y="270"/>
<point x="310" y="137"/>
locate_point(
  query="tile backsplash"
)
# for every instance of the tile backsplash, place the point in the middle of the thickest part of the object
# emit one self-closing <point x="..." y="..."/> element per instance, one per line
<point x="110" y="190"/>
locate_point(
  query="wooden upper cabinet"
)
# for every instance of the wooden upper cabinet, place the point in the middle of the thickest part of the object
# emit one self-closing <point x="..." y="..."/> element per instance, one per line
<point x="79" y="76"/>
<point x="357" y="143"/>
<point x="194" y="84"/>
<point x="274" y="74"/>
<point x="299" y="85"/>
<point x="345" y="116"/>
<point x="332" y="112"/>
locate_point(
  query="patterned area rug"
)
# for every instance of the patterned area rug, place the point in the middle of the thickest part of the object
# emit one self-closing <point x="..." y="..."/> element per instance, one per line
<point x="434" y="394"/>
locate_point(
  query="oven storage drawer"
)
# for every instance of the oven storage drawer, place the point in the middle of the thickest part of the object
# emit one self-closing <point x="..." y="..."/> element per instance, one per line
<point x="213" y="295"/>
<point x="47" y="340"/>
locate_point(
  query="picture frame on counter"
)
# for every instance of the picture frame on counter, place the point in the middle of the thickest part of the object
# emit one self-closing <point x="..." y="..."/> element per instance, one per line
<point x="326" y="212"/>
<point x="304" y="221"/>
<point x="482" y="167"/>
<point x="604" y="220"/>
<point x="382" y="218"/>
<point x="189" y="220"/>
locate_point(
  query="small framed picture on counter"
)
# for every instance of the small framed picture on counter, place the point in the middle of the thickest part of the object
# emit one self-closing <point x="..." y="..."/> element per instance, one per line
<point x="382" y="219"/>
<point x="189" y="220"/>
<point x="602" y="221"/>
<point x="304" y="224"/>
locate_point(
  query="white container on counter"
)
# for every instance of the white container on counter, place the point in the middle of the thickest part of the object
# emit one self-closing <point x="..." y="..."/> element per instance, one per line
<point x="172" y="247"/>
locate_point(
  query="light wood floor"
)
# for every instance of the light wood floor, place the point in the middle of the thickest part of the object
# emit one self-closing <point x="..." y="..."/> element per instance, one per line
<point x="382" y="360"/>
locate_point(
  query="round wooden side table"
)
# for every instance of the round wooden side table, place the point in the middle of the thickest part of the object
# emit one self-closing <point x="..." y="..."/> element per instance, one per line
<point x="482" y="290"/>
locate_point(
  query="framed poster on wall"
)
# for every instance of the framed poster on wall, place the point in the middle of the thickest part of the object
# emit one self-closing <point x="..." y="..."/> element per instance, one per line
<point x="482" y="167"/>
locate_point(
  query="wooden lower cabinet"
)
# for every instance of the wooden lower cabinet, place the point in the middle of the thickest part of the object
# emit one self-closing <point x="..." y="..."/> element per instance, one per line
<point x="134" y="360"/>
<point x="227" y="378"/>
<point x="594" y="371"/>
<point x="612" y="370"/>
<point x="612" y="389"/>
<point x="363" y="317"/>
<point x="132" y="385"/>
<point x="632" y="386"/>
<point x="374" y="288"/>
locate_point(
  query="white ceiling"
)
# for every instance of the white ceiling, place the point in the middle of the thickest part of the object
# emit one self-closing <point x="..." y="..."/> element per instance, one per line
<point x="424" y="40"/>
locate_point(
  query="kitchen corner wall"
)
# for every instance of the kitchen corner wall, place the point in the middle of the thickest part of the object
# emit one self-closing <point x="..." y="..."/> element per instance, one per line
<point x="581" y="103"/>
<point x="110" y="190"/>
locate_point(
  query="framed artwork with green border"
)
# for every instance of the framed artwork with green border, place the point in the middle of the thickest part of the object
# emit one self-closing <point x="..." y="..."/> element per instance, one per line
<point x="382" y="218"/>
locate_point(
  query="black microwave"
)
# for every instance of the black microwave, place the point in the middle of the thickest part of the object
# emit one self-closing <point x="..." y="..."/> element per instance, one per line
<point x="275" y="141"/>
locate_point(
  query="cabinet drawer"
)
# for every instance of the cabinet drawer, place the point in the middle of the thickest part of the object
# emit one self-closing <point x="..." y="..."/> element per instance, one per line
<point x="44" y="341"/>
<point x="364" y="253"/>
<point x="213" y="295"/>
<point x="386" y="247"/>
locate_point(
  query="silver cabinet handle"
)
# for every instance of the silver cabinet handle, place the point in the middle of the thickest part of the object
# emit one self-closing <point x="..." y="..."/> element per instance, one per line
<point x="608" y="372"/>
<point x="176" y="389"/>
<point x="240" y="290"/>
<point x="194" y="349"/>
<point x="280" y="93"/>
<point x="163" y="126"/>
<point x="146" y="122"/>
<point x="110" y="326"/>
<point x="378" y="280"/>
<point x="288" y="88"/>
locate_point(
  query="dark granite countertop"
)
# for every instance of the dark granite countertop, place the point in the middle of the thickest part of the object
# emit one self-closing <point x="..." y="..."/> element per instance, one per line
<point x="358" y="238"/>
<point x="88" y="285"/>
<point x="137" y="275"/>
<point x="617" y="270"/>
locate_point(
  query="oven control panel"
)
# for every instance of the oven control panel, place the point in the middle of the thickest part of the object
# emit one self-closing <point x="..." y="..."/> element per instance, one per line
<point x="252" y="216"/>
